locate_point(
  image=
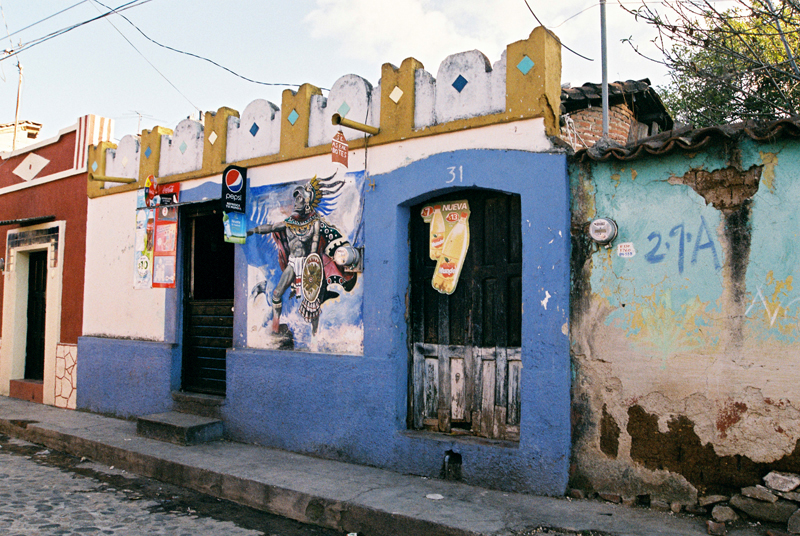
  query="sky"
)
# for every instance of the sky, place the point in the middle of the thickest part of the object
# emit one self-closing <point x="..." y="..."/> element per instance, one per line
<point x="107" y="67"/>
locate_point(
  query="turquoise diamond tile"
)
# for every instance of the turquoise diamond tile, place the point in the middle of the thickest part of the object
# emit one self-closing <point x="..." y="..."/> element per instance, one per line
<point x="183" y="147"/>
<point x="293" y="117"/>
<point x="94" y="166"/>
<point x="343" y="109"/>
<point x="254" y="129"/>
<point x="525" y="65"/>
<point x="460" y="83"/>
<point x="148" y="152"/>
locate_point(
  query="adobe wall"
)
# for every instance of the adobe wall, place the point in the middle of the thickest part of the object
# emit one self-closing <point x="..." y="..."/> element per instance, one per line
<point x="683" y="332"/>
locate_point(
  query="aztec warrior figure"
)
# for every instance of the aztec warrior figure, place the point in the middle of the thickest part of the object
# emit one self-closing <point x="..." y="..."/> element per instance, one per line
<point x="312" y="254"/>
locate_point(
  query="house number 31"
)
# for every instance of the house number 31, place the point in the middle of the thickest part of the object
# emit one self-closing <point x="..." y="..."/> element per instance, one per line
<point x="455" y="173"/>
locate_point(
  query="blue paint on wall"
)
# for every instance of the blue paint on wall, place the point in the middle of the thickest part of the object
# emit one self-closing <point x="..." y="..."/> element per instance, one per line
<point x="354" y="408"/>
<point x="126" y="377"/>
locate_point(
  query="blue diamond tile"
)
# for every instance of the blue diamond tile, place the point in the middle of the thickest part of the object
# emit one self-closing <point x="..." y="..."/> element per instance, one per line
<point x="148" y="152"/>
<point x="343" y="109"/>
<point x="525" y="65"/>
<point x="293" y="117"/>
<point x="183" y="147"/>
<point x="460" y="83"/>
<point x="94" y="166"/>
<point x="254" y="129"/>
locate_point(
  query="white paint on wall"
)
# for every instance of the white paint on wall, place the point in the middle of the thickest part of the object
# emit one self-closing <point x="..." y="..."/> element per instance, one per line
<point x="111" y="306"/>
<point x="182" y="152"/>
<point x="472" y="99"/>
<point x="123" y="161"/>
<point x="424" y="99"/>
<point x="546" y="299"/>
<point x="350" y="90"/>
<point x="256" y="132"/>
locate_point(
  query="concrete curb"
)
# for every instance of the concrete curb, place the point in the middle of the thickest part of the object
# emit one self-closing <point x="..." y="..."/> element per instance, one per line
<point x="335" y="495"/>
<point x="303" y="507"/>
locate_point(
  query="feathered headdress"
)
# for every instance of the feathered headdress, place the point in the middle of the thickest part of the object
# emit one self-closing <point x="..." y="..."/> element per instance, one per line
<point x="322" y="193"/>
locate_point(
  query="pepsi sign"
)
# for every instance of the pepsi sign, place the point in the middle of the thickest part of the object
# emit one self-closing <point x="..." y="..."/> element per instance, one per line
<point x="234" y="189"/>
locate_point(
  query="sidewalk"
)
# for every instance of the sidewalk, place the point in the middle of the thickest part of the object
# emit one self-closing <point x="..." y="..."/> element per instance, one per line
<point x="351" y="498"/>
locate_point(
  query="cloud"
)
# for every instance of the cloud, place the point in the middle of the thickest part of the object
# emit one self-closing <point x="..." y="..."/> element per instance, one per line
<point x="379" y="31"/>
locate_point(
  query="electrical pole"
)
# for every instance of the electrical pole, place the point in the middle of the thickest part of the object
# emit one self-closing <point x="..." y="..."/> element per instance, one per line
<point x="604" y="61"/>
<point x="19" y="99"/>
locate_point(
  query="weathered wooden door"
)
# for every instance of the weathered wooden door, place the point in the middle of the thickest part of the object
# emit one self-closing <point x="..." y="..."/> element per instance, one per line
<point x="37" y="300"/>
<point x="208" y="300"/>
<point x="465" y="347"/>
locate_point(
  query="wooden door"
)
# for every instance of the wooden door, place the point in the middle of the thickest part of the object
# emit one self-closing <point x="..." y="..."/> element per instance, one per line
<point x="465" y="347"/>
<point x="37" y="300"/>
<point x="208" y="300"/>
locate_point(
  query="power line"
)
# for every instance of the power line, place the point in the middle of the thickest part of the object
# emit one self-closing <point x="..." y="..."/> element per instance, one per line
<point x="128" y="5"/>
<point x="149" y="62"/>
<point x="202" y="57"/>
<point x="44" y="19"/>
<point x="552" y="34"/>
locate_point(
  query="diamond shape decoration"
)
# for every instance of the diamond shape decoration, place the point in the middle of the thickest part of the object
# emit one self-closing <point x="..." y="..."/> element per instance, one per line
<point x="212" y="137"/>
<point x="343" y="109"/>
<point x="148" y="152"/>
<point x="460" y="83"/>
<point x="30" y="166"/>
<point x="396" y="94"/>
<point x="293" y="117"/>
<point x="254" y="129"/>
<point x="124" y="161"/>
<point x="525" y="65"/>
<point x="183" y="147"/>
<point x="94" y="167"/>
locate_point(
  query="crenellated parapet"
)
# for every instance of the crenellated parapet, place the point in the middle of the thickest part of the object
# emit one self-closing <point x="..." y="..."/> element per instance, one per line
<point x="408" y="102"/>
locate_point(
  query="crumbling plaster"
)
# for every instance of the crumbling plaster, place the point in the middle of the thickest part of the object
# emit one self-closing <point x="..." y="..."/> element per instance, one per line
<point x="700" y="332"/>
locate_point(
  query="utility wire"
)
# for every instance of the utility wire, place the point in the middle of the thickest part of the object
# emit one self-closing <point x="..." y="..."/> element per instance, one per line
<point x="44" y="19"/>
<point x="128" y="5"/>
<point x="149" y="62"/>
<point x="552" y="34"/>
<point x="202" y="57"/>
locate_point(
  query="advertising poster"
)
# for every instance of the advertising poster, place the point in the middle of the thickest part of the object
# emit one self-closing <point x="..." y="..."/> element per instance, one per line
<point x="304" y="252"/>
<point x="234" y="204"/>
<point x="143" y="248"/>
<point x="449" y="242"/>
<point x="166" y="246"/>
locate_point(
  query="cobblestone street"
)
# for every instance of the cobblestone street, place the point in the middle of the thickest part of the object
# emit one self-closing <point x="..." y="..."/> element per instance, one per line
<point x="51" y="493"/>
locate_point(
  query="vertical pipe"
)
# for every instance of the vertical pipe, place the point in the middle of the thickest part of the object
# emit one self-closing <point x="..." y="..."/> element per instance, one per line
<point x="604" y="60"/>
<point x="16" y="113"/>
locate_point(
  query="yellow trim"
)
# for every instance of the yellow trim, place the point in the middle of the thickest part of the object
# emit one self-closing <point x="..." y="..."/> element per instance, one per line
<point x="535" y="94"/>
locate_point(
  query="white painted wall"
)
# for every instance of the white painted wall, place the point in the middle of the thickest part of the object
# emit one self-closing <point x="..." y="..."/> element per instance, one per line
<point x="173" y="159"/>
<point x="111" y="306"/>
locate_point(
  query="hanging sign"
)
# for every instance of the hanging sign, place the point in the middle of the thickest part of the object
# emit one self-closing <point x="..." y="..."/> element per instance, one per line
<point x="168" y="194"/>
<point x="166" y="246"/>
<point x="339" y="149"/>
<point x="234" y="189"/>
<point x="448" y="243"/>
<point x="234" y="204"/>
<point x="143" y="248"/>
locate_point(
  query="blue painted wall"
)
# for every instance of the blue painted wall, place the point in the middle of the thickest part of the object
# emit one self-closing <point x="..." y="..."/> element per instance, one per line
<point x="126" y="377"/>
<point x="354" y="408"/>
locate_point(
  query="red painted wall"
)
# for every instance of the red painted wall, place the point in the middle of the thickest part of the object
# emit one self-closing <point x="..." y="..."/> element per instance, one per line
<point x="66" y="200"/>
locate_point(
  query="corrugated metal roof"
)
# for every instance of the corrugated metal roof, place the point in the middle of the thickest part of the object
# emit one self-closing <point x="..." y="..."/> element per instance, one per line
<point x="688" y="139"/>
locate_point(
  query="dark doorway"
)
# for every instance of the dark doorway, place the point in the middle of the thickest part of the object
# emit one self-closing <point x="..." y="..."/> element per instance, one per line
<point x="465" y="347"/>
<point x="208" y="299"/>
<point x="37" y="300"/>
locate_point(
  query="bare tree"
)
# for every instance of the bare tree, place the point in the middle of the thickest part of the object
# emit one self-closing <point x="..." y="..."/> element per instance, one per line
<point x="727" y="65"/>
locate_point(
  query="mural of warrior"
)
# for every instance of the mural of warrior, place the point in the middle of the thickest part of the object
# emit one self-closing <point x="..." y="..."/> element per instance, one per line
<point x="312" y="254"/>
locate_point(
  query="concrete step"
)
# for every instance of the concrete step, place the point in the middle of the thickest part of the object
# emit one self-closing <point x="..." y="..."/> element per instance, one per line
<point x="197" y="404"/>
<point x="179" y="428"/>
